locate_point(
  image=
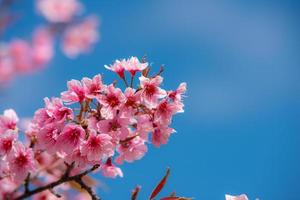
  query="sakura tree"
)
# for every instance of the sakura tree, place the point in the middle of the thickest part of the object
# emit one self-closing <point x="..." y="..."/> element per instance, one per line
<point x="91" y="127"/>
<point x="63" y="23"/>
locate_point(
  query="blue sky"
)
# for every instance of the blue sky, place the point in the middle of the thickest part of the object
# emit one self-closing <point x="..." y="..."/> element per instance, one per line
<point x="240" y="131"/>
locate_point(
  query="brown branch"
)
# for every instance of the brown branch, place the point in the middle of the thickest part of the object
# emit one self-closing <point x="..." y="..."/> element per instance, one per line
<point x="62" y="180"/>
<point x="87" y="188"/>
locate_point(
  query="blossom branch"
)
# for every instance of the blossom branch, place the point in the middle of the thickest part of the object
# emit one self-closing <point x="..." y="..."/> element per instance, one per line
<point x="62" y="180"/>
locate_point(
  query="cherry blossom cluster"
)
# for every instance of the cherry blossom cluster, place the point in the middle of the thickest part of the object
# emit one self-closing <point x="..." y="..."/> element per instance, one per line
<point x="90" y="124"/>
<point x="76" y="35"/>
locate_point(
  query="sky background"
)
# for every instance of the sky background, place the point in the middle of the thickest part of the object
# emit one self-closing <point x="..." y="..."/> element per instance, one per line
<point x="240" y="59"/>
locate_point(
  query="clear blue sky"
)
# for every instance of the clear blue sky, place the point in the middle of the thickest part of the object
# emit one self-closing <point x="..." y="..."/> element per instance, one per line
<point x="240" y="132"/>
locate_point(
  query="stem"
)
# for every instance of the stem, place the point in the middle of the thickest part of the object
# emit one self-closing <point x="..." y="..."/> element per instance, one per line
<point x="62" y="180"/>
<point x="87" y="188"/>
<point x="131" y="81"/>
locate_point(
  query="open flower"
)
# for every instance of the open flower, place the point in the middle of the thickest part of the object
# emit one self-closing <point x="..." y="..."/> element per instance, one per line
<point x="110" y="170"/>
<point x="70" y="138"/>
<point x="133" y="65"/>
<point x="8" y="121"/>
<point x="21" y="161"/>
<point x="151" y="91"/>
<point x="93" y="87"/>
<point x="75" y="92"/>
<point x="97" y="147"/>
<point x="58" y="11"/>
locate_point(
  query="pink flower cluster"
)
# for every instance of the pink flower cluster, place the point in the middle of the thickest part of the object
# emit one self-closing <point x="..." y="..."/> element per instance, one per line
<point x="21" y="56"/>
<point x="78" y="36"/>
<point x="91" y="123"/>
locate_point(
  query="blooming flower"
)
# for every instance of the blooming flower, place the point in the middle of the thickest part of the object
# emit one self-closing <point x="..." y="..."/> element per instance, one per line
<point x="110" y="170"/>
<point x="93" y="87"/>
<point x="71" y="137"/>
<point x="132" y="150"/>
<point x="21" y="161"/>
<point x="97" y="147"/>
<point x="133" y="65"/>
<point x="118" y="67"/>
<point x="8" y="121"/>
<point x="151" y="91"/>
<point x="161" y="135"/>
<point x="80" y="37"/>
<point x="75" y="92"/>
<point x="58" y="11"/>
<point x="42" y="47"/>
<point x="6" y="142"/>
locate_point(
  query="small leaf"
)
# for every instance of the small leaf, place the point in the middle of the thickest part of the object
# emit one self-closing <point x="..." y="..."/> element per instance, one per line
<point x="146" y="71"/>
<point x="160" y="185"/>
<point x="135" y="192"/>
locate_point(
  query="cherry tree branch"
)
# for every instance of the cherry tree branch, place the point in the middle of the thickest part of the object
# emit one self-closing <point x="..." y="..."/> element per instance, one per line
<point x="65" y="178"/>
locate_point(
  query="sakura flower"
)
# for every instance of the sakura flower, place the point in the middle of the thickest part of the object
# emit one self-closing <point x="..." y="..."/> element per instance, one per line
<point x="58" y="11"/>
<point x="54" y="111"/>
<point x="112" y="99"/>
<point x="75" y="92"/>
<point x="6" y="68"/>
<point x="116" y="127"/>
<point x="118" y="67"/>
<point x="132" y="99"/>
<point x="21" y="161"/>
<point x="80" y="37"/>
<point x="42" y="47"/>
<point x="8" y="121"/>
<point x="7" y="186"/>
<point x="97" y="147"/>
<point x="131" y="150"/>
<point x="93" y="87"/>
<point x="165" y="110"/>
<point x="47" y="137"/>
<point x="133" y="65"/>
<point x="110" y="170"/>
<point x="6" y="142"/>
<point x="151" y="91"/>
<point x="20" y="51"/>
<point x="161" y="135"/>
<point x="177" y="94"/>
<point x="71" y="137"/>
<point x="77" y="157"/>
<point x="144" y="126"/>
<point x="240" y="197"/>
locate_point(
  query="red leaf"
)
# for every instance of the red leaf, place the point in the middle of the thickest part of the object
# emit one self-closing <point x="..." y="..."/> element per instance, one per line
<point x="160" y="185"/>
<point x="135" y="192"/>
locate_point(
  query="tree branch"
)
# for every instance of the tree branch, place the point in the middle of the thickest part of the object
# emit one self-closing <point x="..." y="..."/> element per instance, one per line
<point x="62" y="180"/>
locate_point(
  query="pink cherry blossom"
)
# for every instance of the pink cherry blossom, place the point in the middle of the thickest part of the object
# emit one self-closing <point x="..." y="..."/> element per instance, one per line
<point x="161" y="135"/>
<point x="20" y="51"/>
<point x="75" y="92"/>
<point x="46" y="195"/>
<point x="21" y="161"/>
<point x="118" y="67"/>
<point x="110" y="170"/>
<point x="97" y="147"/>
<point x="239" y="197"/>
<point x="132" y="150"/>
<point x="47" y="137"/>
<point x="116" y="127"/>
<point x="58" y="11"/>
<point x="42" y="47"/>
<point x="71" y="137"/>
<point x="93" y="87"/>
<point x="151" y="91"/>
<point x="133" y="65"/>
<point x="7" y="141"/>
<point x="112" y="99"/>
<point x="80" y="37"/>
<point x="8" y="121"/>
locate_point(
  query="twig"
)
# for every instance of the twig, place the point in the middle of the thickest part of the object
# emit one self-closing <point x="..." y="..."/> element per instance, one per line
<point x="62" y="180"/>
<point x="87" y="188"/>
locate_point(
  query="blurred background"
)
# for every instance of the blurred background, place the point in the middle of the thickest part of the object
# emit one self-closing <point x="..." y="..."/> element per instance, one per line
<point x="240" y="132"/>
